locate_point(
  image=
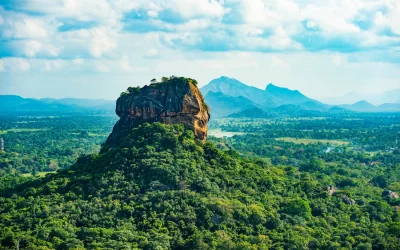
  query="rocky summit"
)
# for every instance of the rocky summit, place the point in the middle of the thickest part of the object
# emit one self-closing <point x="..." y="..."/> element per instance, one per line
<point x="174" y="100"/>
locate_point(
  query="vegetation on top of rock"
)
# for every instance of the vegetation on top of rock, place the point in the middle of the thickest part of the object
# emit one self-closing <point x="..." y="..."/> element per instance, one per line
<point x="164" y="79"/>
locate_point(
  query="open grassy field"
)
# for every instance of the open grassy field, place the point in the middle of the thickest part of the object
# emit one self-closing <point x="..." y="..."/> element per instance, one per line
<point x="310" y="141"/>
<point x="40" y="174"/>
<point x="19" y="130"/>
<point x="217" y="132"/>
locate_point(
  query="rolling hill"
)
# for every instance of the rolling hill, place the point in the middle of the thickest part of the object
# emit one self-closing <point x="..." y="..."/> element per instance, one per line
<point x="361" y="106"/>
<point x="14" y="103"/>
<point x="390" y="96"/>
<point x="99" y="104"/>
<point x="252" y="113"/>
<point x="224" y="105"/>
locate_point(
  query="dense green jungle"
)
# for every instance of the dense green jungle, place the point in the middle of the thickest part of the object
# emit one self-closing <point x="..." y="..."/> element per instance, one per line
<point x="325" y="182"/>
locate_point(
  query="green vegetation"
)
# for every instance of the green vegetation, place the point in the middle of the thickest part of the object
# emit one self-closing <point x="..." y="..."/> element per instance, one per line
<point x="309" y="141"/>
<point x="48" y="143"/>
<point x="19" y="130"/>
<point x="160" y="188"/>
<point x="38" y="174"/>
<point x="154" y="83"/>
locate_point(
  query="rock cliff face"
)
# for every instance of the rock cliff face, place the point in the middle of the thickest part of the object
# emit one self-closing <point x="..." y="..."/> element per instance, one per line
<point x="174" y="101"/>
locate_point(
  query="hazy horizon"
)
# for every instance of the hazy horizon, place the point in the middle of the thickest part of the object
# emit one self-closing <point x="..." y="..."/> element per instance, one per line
<point x="333" y="100"/>
<point x="96" y="49"/>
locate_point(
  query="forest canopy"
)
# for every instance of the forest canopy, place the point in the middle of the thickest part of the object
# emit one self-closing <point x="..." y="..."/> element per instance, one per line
<point x="160" y="188"/>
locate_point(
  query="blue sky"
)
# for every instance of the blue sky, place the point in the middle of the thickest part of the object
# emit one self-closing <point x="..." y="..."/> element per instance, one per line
<point x="97" y="48"/>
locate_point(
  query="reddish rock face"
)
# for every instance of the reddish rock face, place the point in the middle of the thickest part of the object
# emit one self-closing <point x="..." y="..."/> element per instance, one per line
<point x="177" y="101"/>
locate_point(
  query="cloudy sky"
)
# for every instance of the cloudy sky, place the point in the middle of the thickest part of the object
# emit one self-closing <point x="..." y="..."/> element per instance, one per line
<point x="97" y="48"/>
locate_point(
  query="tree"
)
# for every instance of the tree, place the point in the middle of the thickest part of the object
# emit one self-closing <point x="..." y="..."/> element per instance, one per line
<point x="379" y="181"/>
<point x="164" y="79"/>
<point x="298" y="207"/>
<point x="364" y="246"/>
<point x="315" y="164"/>
<point x="154" y="80"/>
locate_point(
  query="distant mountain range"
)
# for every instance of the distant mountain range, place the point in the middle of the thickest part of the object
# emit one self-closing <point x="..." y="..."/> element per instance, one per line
<point x="14" y="103"/>
<point x="392" y="96"/>
<point x="229" y="97"/>
<point x="272" y="96"/>
<point x="226" y="96"/>
<point x="364" y="106"/>
<point x="97" y="104"/>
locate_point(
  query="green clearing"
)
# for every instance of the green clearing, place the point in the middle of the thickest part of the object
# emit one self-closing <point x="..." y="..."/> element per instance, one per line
<point x="220" y="134"/>
<point x="95" y="134"/>
<point x="19" y="130"/>
<point x="311" y="141"/>
<point x="40" y="174"/>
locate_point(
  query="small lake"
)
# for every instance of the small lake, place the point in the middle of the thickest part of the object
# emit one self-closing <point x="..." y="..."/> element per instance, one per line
<point x="217" y="132"/>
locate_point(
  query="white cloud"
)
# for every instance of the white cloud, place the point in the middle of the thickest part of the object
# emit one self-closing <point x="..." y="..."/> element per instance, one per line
<point x="281" y="40"/>
<point x="152" y="53"/>
<point x="394" y="17"/>
<point x="25" y="28"/>
<point x="337" y="59"/>
<point x="21" y="64"/>
<point x="195" y="24"/>
<point x="31" y="48"/>
<point x="189" y="9"/>
<point x="152" y="13"/>
<point x="311" y="24"/>
<point x="380" y="19"/>
<point x="192" y="25"/>
<point x="329" y="20"/>
<point x="102" y="68"/>
<point x="90" y="10"/>
<point x="254" y="11"/>
<point x="53" y="65"/>
<point x="279" y="63"/>
<point x="78" y="61"/>
<point x="125" y="65"/>
<point x="13" y="64"/>
<point x="34" y="48"/>
<point x="101" y="42"/>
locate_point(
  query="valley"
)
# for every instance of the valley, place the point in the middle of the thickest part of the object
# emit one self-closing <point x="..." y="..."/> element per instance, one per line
<point x="302" y="159"/>
<point x="306" y="181"/>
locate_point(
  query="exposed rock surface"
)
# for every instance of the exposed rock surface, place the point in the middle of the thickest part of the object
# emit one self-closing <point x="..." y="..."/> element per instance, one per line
<point x="174" y="101"/>
<point x="331" y="190"/>
<point x="391" y="194"/>
<point x="348" y="200"/>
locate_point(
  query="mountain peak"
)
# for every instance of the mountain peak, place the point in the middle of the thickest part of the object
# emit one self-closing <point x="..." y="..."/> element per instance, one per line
<point x="286" y="96"/>
<point x="227" y="80"/>
<point x="234" y="87"/>
<point x="363" y="103"/>
<point x="272" y="87"/>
